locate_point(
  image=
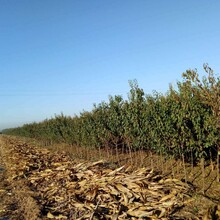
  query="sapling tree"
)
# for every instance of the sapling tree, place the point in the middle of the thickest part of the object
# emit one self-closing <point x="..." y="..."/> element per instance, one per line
<point x="208" y="90"/>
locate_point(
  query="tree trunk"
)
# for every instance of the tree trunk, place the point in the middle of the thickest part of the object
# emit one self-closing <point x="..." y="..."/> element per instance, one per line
<point x="217" y="162"/>
<point x="161" y="162"/>
<point x="192" y="161"/>
<point x="184" y="167"/>
<point x="100" y="152"/>
<point x="130" y="153"/>
<point x="151" y="160"/>
<point x="211" y="161"/>
<point x="203" y="175"/>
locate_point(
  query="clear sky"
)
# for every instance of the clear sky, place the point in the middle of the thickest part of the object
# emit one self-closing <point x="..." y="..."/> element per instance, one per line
<point x="64" y="55"/>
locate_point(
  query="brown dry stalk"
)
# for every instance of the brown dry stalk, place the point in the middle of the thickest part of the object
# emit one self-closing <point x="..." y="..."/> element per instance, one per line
<point x="90" y="190"/>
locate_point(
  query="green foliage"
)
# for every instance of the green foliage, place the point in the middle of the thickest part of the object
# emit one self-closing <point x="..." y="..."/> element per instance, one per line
<point x="183" y="122"/>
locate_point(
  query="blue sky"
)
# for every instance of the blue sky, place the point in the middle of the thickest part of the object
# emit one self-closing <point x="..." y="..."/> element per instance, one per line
<point x="63" y="56"/>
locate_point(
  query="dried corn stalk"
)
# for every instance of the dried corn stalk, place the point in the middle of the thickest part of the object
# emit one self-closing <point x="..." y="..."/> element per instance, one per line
<point x="68" y="190"/>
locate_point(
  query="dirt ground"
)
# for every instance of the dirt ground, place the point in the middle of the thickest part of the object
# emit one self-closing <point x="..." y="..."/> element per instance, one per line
<point x="18" y="201"/>
<point x="5" y="195"/>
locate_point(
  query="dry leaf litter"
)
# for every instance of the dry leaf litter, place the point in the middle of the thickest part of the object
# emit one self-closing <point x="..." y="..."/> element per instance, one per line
<point x="67" y="190"/>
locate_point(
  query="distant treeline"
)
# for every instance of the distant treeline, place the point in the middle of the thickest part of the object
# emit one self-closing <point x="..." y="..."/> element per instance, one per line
<point x="184" y="122"/>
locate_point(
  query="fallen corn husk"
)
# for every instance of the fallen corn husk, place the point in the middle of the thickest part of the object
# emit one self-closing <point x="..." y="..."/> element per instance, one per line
<point x="90" y="191"/>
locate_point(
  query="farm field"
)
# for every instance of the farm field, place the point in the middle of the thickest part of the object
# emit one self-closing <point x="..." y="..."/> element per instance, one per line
<point x="40" y="183"/>
<point x="146" y="157"/>
<point x="110" y="110"/>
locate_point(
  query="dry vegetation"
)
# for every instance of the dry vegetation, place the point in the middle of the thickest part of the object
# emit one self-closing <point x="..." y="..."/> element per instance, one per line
<point x="40" y="184"/>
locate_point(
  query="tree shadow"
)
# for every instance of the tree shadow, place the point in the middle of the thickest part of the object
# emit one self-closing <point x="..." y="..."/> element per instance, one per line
<point x="196" y="176"/>
<point x="209" y="186"/>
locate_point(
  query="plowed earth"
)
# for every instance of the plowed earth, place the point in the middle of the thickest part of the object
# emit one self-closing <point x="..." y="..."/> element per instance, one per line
<point x="39" y="184"/>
